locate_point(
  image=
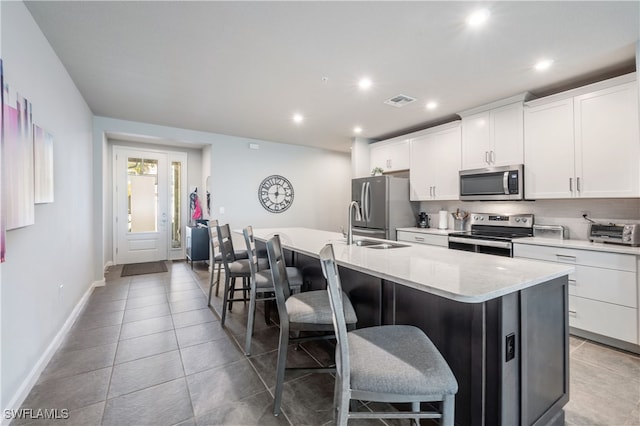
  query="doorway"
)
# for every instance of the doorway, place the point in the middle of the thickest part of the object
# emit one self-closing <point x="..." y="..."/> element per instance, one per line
<point x="149" y="187"/>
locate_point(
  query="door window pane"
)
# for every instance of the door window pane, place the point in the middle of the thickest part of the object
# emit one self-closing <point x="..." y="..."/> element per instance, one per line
<point x="175" y="202"/>
<point x="142" y="190"/>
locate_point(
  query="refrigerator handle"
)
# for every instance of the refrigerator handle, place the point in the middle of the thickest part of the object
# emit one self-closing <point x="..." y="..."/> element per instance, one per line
<point x="367" y="202"/>
<point x="362" y="200"/>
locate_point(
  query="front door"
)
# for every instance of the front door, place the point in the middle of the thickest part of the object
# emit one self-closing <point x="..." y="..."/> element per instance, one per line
<point x="140" y="205"/>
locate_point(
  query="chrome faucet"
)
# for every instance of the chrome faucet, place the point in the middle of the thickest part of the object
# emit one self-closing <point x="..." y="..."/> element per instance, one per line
<point x="350" y="230"/>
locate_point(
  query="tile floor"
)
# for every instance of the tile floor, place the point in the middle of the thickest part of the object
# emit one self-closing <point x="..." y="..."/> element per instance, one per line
<point x="146" y="350"/>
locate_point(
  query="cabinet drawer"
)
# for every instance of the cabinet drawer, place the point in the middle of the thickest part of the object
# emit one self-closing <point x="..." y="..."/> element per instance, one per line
<point x="607" y="285"/>
<point x="420" y="238"/>
<point x="623" y="262"/>
<point x="618" y="322"/>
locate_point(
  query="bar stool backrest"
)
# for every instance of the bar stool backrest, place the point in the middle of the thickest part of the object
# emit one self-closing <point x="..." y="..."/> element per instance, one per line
<point x="279" y="275"/>
<point x="251" y="249"/>
<point x="226" y="246"/>
<point x="334" y="288"/>
<point x="213" y="238"/>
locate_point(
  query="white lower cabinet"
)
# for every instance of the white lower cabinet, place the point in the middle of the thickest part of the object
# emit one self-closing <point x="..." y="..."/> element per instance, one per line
<point x="603" y="290"/>
<point x="423" y="238"/>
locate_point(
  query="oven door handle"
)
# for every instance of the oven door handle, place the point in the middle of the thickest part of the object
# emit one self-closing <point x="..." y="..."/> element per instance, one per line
<point x="477" y="242"/>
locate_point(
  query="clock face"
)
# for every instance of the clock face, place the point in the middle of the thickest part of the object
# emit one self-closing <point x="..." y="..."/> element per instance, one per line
<point x="275" y="193"/>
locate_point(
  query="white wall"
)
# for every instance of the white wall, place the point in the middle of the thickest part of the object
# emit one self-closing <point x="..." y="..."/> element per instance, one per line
<point x="321" y="180"/>
<point x="360" y="157"/>
<point x="58" y="249"/>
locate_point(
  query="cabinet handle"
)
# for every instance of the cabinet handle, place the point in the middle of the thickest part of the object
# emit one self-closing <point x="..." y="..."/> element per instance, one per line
<point x="419" y="238"/>
<point x="573" y="313"/>
<point x="578" y="183"/>
<point x="573" y="282"/>
<point x="570" y="184"/>
<point x="431" y="191"/>
<point x="486" y="157"/>
<point x="434" y="191"/>
<point x="492" y="156"/>
<point x="566" y="257"/>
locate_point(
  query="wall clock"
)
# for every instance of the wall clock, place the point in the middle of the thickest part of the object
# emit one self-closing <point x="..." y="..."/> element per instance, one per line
<point x="275" y="193"/>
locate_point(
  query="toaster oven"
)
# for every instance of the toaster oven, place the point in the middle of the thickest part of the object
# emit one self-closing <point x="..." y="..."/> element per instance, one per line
<point x="627" y="234"/>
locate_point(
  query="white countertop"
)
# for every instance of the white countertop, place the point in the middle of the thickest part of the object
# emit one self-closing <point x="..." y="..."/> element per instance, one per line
<point x="434" y="231"/>
<point x="580" y="245"/>
<point x="458" y="275"/>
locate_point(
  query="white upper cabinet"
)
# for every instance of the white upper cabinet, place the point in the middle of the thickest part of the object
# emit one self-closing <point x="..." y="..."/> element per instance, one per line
<point x="549" y="150"/>
<point x="390" y="155"/>
<point x="435" y="163"/>
<point x="586" y="145"/>
<point x="608" y="143"/>
<point x="493" y="138"/>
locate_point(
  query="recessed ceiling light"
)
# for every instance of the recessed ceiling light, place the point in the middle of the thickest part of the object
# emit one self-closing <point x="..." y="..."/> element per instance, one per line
<point x="297" y="118"/>
<point x="432" y="105"/>
<point x="365" y="83"/>
<point x="543" y="64"/>
<point x="478" y="17"/>
<point x="357" y="130"/>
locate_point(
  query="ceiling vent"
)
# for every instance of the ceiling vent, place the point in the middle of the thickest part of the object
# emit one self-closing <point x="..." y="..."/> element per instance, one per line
<point x="399" y="101"/>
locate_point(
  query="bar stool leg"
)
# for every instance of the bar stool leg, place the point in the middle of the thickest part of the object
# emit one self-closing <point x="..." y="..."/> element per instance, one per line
<point x="250" y="319"/>
<point x="225" y="298"/>
<point x="281" y="366"/>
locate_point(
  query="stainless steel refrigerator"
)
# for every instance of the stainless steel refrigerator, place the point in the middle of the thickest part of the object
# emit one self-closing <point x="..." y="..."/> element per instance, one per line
<point x="384" y="206"/>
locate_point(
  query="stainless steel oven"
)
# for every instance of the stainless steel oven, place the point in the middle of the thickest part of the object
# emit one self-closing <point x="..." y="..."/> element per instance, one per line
<point x="492" y="233"/>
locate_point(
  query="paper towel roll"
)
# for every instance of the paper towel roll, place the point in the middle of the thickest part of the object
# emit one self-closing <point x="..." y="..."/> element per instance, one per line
<point x="443" y="219"/>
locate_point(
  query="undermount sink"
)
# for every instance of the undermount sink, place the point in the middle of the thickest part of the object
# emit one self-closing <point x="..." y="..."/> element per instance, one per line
<point x="365" y="243"/>
<point x="384" y="246"/>
<point x="377" y="244"/>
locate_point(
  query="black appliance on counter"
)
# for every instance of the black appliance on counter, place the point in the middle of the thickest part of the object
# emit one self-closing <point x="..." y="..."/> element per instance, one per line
<point x="492" y="233"/>
<point x="423" y="220"/>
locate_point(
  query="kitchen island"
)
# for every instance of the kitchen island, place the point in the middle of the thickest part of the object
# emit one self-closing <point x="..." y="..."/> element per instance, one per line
<point x="501" y="323"/>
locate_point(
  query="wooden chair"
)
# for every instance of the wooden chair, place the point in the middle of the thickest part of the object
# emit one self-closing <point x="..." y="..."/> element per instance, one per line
<point x="391" y="363"/>
<point x="306" y="311"/>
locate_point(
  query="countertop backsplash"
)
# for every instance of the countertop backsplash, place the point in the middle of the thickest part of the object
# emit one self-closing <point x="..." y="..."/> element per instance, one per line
<point x="547" y="212"/>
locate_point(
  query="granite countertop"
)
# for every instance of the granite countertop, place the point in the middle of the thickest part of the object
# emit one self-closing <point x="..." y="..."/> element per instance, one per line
<point x="457" y="275"/>
<point x="580" y="245"/>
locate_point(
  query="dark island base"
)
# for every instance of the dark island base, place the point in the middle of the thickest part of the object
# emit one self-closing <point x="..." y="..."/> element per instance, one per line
<point x="510" y="355"/>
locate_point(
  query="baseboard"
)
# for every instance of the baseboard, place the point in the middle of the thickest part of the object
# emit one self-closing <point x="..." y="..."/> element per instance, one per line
<point x="23" y="391"/>
<point x="100" y="283"/>
<point x="108" y="264"/>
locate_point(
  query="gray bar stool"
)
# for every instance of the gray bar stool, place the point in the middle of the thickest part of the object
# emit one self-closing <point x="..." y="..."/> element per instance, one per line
<point x="217" y="256"/>
<point x="306" y="311"/>
<point x="233" y="268"/>
<point x="391" y="363"/>
<point x="262" y="283"/>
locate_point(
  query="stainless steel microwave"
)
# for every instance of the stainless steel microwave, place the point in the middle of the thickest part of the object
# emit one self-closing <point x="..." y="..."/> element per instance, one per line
<point x="492" y="183"/>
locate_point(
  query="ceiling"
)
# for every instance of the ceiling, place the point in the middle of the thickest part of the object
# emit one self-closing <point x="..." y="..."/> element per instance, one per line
<point x="244" y="68"/>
